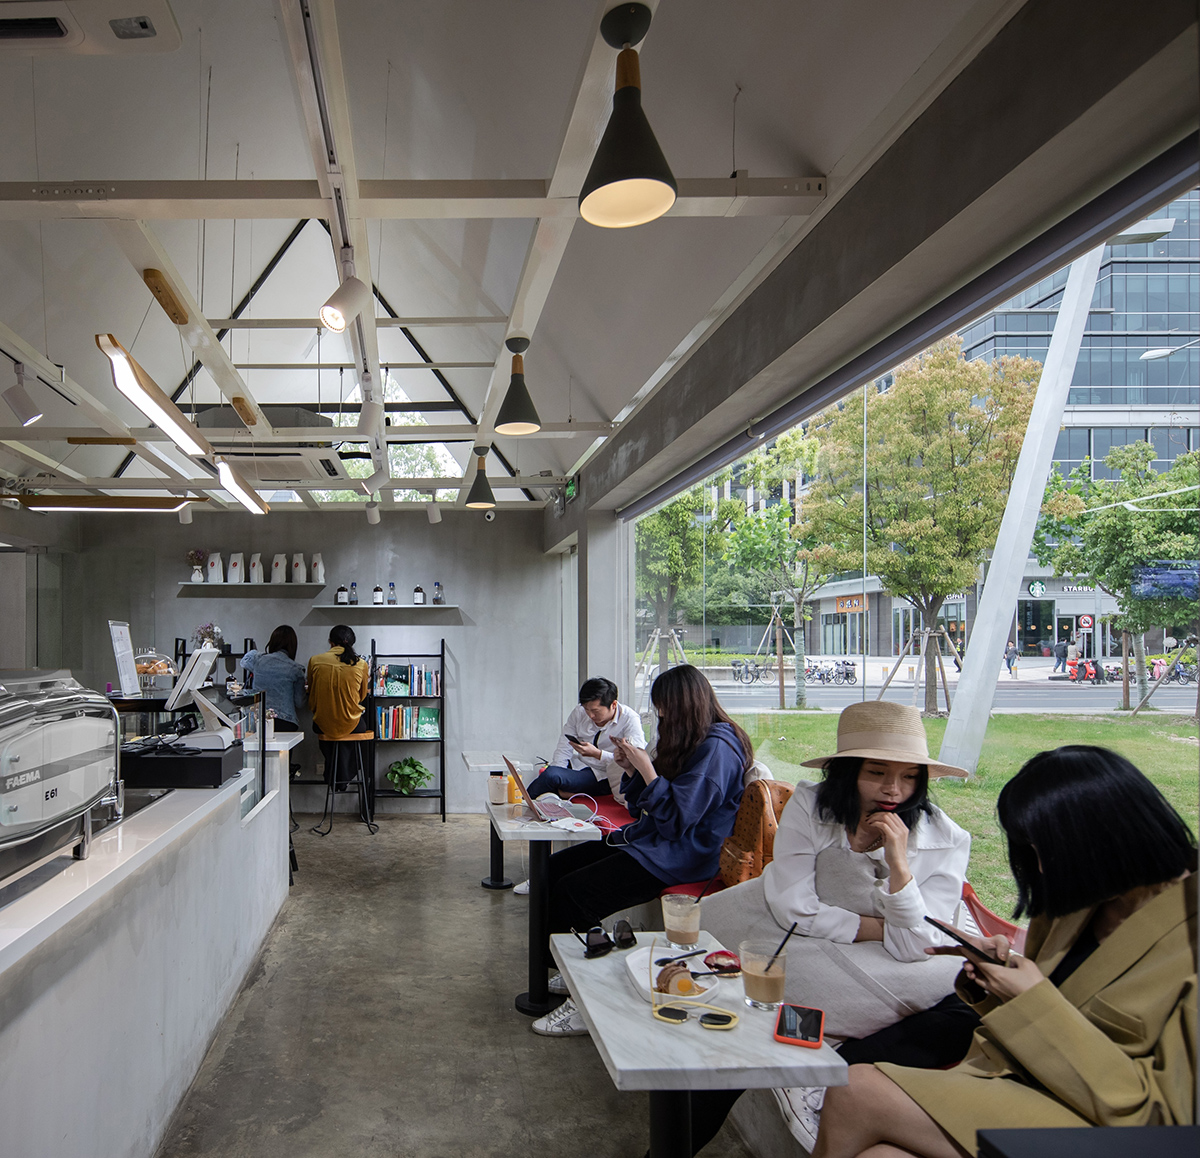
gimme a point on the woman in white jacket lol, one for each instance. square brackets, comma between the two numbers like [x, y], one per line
[860, 859]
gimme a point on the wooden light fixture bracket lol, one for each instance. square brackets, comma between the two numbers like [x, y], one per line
[158, 285]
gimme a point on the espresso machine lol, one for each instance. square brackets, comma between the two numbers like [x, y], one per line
[59, 761]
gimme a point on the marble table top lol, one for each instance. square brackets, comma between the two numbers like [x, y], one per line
[477, 761]
[642, 1053]
[516, 822]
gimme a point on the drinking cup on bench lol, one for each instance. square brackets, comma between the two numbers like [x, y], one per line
[681, 920]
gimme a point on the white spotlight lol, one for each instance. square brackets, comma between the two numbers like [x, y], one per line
[344, 305]
[370, 415]
[185, 515]
[372, 513]
[19, 401]
[433, 511]
[372, 484]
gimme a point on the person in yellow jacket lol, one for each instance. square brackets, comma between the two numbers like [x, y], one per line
[1096, 1025]
[338, 683]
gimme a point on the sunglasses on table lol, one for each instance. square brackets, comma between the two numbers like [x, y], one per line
[596, 942]
[677, 1012]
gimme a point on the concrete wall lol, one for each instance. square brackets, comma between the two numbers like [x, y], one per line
[504, 654]
[12, 609]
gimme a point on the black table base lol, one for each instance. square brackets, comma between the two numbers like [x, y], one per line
[496, 878]
[670, 1124]
[539, 1000]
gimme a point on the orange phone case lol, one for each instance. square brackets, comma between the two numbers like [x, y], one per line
[800, 1041]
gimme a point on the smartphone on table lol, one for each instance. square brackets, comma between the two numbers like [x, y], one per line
[957, 935]
[800, 1025]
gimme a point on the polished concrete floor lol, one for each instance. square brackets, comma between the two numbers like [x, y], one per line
[380, 1021]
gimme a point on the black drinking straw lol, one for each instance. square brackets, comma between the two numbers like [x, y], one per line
[787, 937]
[706, 888]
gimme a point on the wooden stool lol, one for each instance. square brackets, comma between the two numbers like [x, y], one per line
[358, 784]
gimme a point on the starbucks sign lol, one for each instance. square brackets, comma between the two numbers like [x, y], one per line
[1037, 589]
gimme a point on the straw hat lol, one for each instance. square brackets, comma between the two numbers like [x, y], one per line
[878, 730]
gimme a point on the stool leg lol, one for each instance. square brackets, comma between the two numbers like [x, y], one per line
[363, 804]
[331, 780]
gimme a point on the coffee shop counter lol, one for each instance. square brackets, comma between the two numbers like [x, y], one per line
[115, 971]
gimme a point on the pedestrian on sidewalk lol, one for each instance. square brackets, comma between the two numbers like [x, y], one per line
[1060, 655]
[1072, 650]
[1010, 658]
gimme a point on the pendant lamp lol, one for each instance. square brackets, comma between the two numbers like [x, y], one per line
[630, 181]
[480, 497]
[518, 415]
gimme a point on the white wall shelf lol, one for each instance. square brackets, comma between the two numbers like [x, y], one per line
[251, 590]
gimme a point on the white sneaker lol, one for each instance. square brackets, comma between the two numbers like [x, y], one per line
[565, 1021]
[801, 1107]
[557, 984]
[521, 890]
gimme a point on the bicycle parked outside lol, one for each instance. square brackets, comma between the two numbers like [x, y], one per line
[752, 672]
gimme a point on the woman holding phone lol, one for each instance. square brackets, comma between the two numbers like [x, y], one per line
[1094, 1027]
[685, 797]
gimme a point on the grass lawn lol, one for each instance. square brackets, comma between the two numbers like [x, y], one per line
[1166, 748]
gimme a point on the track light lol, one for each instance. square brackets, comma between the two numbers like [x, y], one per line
[185, 515]
[372, 484]
[480, 497]
[518, 415]
[373, 513]
[370, 415]
[432, 509]
[240, 489]
[150, 399]
[107, 504]
[630, 181]
[348, 300]
[19, 401]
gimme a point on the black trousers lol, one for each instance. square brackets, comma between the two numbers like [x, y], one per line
[590, 881]
[935, 1037]
[339, 756]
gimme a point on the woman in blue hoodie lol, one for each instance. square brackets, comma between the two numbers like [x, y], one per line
[685, 798]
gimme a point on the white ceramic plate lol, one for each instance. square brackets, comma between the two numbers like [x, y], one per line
[639, 968]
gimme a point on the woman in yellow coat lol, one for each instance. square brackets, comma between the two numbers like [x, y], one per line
[1096, 1026]
[338, 683]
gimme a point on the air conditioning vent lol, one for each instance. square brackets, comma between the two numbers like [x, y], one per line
[32, 28]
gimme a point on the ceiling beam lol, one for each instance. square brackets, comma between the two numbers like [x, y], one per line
[351, 366]
[738, 196]
[380, 323]
[144, 251]
[67, 480]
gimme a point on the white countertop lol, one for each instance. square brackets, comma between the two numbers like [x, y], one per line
[117, 852]
[477, 761]
[285, 741]
[642, 1053]
[515, 822]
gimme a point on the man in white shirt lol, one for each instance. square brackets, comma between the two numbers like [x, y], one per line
[584, 757]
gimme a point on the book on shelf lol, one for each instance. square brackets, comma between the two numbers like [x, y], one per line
[408, 722]
[399, 680]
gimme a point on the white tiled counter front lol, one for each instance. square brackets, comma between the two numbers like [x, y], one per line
[115, 973]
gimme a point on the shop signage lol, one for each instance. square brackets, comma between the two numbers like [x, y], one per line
[849, 603]
[1085, 622]
[1071, 589]
[1037, 589]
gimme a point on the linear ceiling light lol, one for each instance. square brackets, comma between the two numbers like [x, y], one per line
[630, 181]
[110, 504]
[518, 415]
[480, 497]
[19, 401]
[240, 489]
[150, 399]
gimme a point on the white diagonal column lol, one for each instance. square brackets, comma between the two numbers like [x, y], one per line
[977, 685]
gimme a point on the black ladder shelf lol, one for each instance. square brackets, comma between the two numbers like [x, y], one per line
[376, 701]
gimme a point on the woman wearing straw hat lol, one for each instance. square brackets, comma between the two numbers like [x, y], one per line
[860, 859]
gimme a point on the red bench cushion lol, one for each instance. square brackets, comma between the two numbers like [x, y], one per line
[695, 889]
[607, 807]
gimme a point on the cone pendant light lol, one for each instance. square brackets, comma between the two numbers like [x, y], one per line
[480, 497]
[518, 415]
[630, 181]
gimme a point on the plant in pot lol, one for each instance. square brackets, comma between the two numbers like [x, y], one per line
[408, 775]
[197, 558]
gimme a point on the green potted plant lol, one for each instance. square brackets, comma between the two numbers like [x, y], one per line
[409, 774]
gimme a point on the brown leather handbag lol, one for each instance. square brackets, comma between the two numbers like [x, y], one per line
[750, 847]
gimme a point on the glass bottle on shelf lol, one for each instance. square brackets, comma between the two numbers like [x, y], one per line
[419, 595]
[342, 596]
[439, 596]
[377, 594]
[391, 593]
[354, 594]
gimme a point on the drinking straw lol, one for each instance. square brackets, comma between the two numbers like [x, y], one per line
[707, 887]
[787, 937]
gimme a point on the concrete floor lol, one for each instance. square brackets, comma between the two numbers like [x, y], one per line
[380, 1021]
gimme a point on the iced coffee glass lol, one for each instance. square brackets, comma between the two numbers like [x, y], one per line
[681, 920]
[763, 985]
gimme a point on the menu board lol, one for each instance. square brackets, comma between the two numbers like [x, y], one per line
[123, 650]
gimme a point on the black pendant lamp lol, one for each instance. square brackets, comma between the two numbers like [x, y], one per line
[518, 415]
[630, 181]
[480, 497]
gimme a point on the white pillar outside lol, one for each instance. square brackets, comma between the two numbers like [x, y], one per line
[977, 685]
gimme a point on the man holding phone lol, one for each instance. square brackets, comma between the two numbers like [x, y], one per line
[584, 757]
